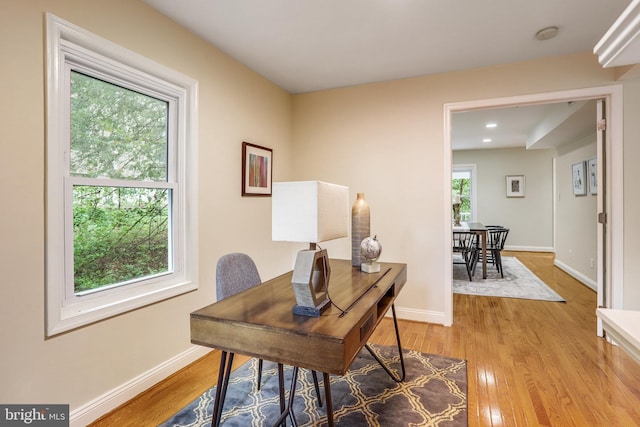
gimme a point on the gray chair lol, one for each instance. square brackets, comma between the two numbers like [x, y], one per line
[236, 272]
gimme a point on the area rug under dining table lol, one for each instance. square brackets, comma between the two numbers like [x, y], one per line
[518, 282]
[434, 393]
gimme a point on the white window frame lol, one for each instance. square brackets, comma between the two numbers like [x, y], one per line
[472, 169]
[71, 47]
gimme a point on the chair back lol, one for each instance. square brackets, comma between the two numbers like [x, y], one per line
[464, 241]
[235, 272]
[496, 237]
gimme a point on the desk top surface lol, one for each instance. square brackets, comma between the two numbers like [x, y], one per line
[269, 305]
[259, 322]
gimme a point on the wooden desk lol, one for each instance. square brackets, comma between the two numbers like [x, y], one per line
[259, 322]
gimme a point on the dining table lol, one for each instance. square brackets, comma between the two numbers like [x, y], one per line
[479, 229]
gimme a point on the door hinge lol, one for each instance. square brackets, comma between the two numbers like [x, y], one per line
[602, 217]
[602, 124]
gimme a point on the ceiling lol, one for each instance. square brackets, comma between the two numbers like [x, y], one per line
[310, 45]
[534, 126]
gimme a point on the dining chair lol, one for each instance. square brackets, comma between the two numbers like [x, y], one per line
[496, 238]
[236, 272]
[464, 243]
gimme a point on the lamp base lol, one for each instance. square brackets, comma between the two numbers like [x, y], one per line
[302, 310]
[370, 267]
[310, 280]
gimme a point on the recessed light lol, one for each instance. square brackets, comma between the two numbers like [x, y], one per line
[486, 140]
[491, 125]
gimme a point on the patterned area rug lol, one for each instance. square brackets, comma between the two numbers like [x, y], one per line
[434, 393]
[518, 282]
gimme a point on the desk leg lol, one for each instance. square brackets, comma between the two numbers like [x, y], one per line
[327, 398]
[221, 390]
[281, 389]
[288, 411]
[393, 376]
[315, 384]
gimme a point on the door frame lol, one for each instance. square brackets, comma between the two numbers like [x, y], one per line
[614, 238]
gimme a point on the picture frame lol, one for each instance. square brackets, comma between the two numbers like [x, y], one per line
[592, 173]
[579, 179]
[515, 185]
[257, 165]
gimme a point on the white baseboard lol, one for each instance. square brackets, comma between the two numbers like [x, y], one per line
[528, 248]
[576, 275]
[436, 317]
[96, 408]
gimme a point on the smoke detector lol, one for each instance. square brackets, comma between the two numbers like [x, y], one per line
[547, 33]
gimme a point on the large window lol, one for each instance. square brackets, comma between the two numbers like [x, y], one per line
[463, 183]
[121, 196]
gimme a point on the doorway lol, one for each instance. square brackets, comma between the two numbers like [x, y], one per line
[610, 246]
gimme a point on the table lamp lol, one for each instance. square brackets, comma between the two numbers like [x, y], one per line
[310, 212]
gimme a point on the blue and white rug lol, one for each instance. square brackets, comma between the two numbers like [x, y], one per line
[518, 282]
[434, 393]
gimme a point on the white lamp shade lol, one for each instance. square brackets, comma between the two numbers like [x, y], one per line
[309, 211]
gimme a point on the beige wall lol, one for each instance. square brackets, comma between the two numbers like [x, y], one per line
[529, 218]
[386, 140]
[383, 139]
[576, 227]
[235, 105]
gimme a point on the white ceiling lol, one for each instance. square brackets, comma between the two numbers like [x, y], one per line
[534, 126]
[309, 45]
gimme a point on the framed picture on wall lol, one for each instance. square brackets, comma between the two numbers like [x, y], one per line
[515, 185]
[592, 171]
[257, 163]
[578, 179]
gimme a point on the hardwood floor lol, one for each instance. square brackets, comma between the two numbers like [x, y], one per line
[529, 362]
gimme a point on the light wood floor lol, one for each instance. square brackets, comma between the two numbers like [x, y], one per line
[529, 363]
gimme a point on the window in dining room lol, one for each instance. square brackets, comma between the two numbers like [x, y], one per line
[463, 189]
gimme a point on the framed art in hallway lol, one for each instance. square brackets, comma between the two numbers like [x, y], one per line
[257, 164]
[579, 179]
[515, 185]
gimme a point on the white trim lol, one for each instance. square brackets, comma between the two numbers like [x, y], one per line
[426, 316]
[614, 170]
[554, 203]
[619, 45]
[529, 248]
[448, 226]
[576, 275]
[603, 293]
[110, 400]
